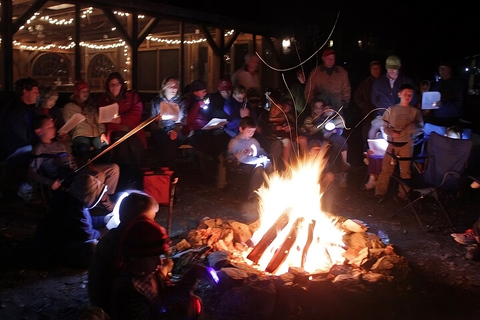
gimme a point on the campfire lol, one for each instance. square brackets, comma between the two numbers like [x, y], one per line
[295, 259]
[294, 231]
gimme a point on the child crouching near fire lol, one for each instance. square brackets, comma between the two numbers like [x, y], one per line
[101, 273]
[249, 156]
[143, 289]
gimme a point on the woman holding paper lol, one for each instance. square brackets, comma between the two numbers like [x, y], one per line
[82, 114]
[166, 133]
[129, 116]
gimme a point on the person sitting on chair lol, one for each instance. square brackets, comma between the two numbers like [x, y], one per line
[251, 158]
[53, 166]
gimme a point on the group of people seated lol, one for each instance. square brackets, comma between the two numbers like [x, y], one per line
[40, 142]
[64, 150]
[211, 123]
[52, 150]
[54, 141]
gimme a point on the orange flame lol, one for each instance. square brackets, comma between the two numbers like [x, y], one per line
[298, 195]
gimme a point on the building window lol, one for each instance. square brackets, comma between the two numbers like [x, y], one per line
[51, 68]
[99, 69]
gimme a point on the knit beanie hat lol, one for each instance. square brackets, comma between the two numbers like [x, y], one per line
[197, 85]
[144, 237]
[88, 189]
[393, 62]
[225, 85]
[79, 85]
[328, 52]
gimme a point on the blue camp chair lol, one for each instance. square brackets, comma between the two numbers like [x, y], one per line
[440, 179]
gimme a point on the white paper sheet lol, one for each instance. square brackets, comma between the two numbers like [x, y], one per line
[71, 123]
[215, 123]
[254, 160]
[107, 113]
[378, 146]
[169, 111]
[430, 100]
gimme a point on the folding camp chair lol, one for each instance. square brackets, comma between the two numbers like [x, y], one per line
[441, 176]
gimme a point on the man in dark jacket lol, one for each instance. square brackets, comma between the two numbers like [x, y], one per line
[385, 92]
[363, 97]
[17, 131]
[450, 105]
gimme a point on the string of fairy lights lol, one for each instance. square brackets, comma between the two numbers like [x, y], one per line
[94, 46]
[84, 14]
[114, 45]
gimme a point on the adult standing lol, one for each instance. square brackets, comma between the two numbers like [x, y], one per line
[249, 74]
[450, 105]
[298, 93]
[167, 133]
[385, 92]
[330, 82]
[363, 97]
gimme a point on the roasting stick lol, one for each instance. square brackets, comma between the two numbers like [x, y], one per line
[116, 143]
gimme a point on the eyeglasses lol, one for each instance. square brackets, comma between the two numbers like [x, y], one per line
[118, 84]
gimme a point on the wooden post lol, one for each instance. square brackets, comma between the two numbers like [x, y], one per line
[78, 49]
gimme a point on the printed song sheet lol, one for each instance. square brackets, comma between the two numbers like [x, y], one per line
[71, 123]
[107, 113]
[215, 123]
[169, 111]
[430, 100]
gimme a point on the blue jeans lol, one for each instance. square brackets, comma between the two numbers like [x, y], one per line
[82, 144]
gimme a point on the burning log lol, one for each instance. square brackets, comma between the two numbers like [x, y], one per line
[268, 238]
[282, 252]
[311, 227]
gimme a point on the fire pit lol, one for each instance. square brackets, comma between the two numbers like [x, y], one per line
[294, 248]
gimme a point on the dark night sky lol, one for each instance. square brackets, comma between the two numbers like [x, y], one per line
[421, 32]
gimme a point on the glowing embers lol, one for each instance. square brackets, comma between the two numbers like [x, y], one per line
[294, 232]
